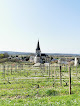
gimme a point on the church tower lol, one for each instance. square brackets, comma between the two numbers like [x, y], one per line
[38, 51]
[37, 58]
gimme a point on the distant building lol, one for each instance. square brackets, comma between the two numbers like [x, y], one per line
[65, 61]
[76, 61]
[54, 60]
[39, 57]
[62, 61]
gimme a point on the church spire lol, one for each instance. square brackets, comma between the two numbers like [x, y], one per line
[38, 46]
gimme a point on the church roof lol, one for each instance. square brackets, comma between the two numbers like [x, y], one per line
[42, 54]
[38, 46]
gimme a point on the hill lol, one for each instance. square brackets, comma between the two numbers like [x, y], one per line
[28, 53]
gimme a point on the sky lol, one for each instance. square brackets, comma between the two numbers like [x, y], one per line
[56, 23]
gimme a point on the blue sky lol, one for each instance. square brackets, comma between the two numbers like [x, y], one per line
[56, 23]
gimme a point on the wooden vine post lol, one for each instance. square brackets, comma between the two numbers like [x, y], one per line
[60, 77]
[54, 74]
[69, 80]
[76, 71]
[49, 69]
[4, 71]
[11, 69]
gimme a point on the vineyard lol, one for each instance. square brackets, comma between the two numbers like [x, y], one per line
[24, 84]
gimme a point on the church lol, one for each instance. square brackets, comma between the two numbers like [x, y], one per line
[39, 57]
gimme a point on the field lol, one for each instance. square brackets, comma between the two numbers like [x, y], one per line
[22, 84]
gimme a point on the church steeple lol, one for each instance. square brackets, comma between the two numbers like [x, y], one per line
[38, 51]
[38, 46]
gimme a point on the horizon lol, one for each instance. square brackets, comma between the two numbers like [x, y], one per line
[55, 23]
[43, 52]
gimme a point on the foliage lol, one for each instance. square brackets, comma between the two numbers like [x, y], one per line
[5, 55]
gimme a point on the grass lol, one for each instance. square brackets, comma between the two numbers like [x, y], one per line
[24, 87]
[72, 100]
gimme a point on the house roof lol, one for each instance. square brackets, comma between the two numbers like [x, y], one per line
[54, 59]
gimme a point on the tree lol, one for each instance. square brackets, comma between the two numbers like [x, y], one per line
[1, 56]
[6, 55]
